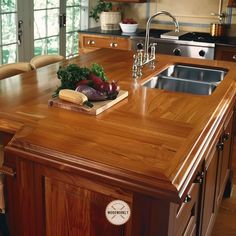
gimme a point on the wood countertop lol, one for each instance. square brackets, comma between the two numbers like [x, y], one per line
[151, 142]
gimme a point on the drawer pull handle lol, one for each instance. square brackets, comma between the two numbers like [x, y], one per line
[113, 45]
[225, 136]
[234, 57]
[7, 171]
[188, 198]
[91, 42]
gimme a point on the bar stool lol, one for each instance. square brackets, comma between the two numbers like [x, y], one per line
[44, 60]
[11, 69]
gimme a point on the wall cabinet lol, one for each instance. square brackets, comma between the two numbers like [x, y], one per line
[90, 42]
[225, 53]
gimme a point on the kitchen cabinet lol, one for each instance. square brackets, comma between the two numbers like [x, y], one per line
[63, 203]
[225, 149]
[216, 176]
[184, 218]
[225, 53]
[58, 203]
[91, 42]
[209, 193]
[55, 199]
[73, 205]
[231, 3]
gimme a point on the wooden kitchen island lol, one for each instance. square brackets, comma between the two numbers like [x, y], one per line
[167, 154]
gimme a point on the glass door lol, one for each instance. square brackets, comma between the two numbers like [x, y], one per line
[46, 27]
[74, 21]
[55, 26]
[35, 27]
[8, 28]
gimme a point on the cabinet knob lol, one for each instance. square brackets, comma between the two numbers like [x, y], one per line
[188, 198]
[91, 42]
[220, 146]
[113, 45]
[234, 57]
[199, 178]
[225, 136]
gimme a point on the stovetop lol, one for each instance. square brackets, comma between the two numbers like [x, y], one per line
[189, 36]
[199, 37]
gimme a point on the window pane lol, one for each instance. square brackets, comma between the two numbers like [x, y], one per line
[40, 4]
[73, 18]
[53, 45]
[52, 22]
[39, 47]
[71, 44]
[39, 24]
[73, 3]
[70, 2]
[9, 53]
[8, 28]
[77, 2]
[53, 3]
[8, 6]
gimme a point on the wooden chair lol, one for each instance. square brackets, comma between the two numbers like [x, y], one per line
[44, 60]
[14, 69]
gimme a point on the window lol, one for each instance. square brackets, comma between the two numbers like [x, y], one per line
[54, 30]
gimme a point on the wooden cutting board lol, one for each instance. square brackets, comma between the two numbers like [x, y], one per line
[97, 108]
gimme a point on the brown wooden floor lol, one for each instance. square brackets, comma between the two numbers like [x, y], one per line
[225, 224]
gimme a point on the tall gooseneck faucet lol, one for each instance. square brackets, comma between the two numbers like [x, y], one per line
[143, 56]
[148, 27]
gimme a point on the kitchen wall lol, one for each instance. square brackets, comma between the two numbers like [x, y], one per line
[192, 15]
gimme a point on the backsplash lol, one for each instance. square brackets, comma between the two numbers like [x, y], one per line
[194, 16]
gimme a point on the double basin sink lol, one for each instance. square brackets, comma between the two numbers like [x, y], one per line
[187, 79]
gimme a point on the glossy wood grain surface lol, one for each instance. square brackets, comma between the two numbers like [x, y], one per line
[150, 141]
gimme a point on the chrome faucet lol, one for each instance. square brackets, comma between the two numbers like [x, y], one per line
[143, 57]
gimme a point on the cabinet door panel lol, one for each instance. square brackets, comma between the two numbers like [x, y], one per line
[226, 153]
[210, 191]
[226, 53]
[70, 205]
[75, 211]
[20, 196]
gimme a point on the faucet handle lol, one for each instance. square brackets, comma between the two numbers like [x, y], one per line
[140, 57]
[153, 49]
[135, 67]
[153, 44]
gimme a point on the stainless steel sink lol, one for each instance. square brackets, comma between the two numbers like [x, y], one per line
[180, 85]
[210, 75]
[187, 79]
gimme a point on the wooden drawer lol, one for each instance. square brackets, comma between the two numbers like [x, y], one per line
[97, 41]
[184, 217]
[226, 53]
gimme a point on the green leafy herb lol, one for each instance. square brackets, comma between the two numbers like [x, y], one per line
[72, 74]
[98, 71]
